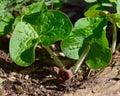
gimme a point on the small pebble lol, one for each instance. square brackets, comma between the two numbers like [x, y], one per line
[27, 77]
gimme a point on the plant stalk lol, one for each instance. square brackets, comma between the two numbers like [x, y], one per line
[81, 59]
[118, 47]
[114, 38]
[56, 59]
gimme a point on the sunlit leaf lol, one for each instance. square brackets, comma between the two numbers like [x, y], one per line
[88, 31]
[22, 44]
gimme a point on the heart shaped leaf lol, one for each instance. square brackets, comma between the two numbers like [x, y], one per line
[51, 26]
[88, 31]
[22, 44]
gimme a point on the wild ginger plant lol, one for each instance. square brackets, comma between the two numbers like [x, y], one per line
[85, 41]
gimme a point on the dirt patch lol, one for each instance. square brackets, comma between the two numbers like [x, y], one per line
[106, 82]
[41, 78]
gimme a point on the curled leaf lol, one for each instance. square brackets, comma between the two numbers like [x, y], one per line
[22, 44]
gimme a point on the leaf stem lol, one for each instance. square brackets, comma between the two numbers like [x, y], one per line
[114, 39]
[118, 47]
[81, 59]
[56, 59]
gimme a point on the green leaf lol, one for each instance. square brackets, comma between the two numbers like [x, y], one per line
[95, 11]
[6, 19]
[55, 26]
[34, 8]
[98, 56]
[71, 45]
[90, 1]
[51, 26]
[17, 20]
[96, 7]
[84, 30]
[118, 7]
[118, 20]
[106, 3]
[5, 25]
[45, 27]
[118, 13]
[22, 44]
[19, 1]
[49, 2]
[88, 31]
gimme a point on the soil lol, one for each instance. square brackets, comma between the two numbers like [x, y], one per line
[41, 78]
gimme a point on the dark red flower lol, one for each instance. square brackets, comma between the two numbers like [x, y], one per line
[65, 75]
